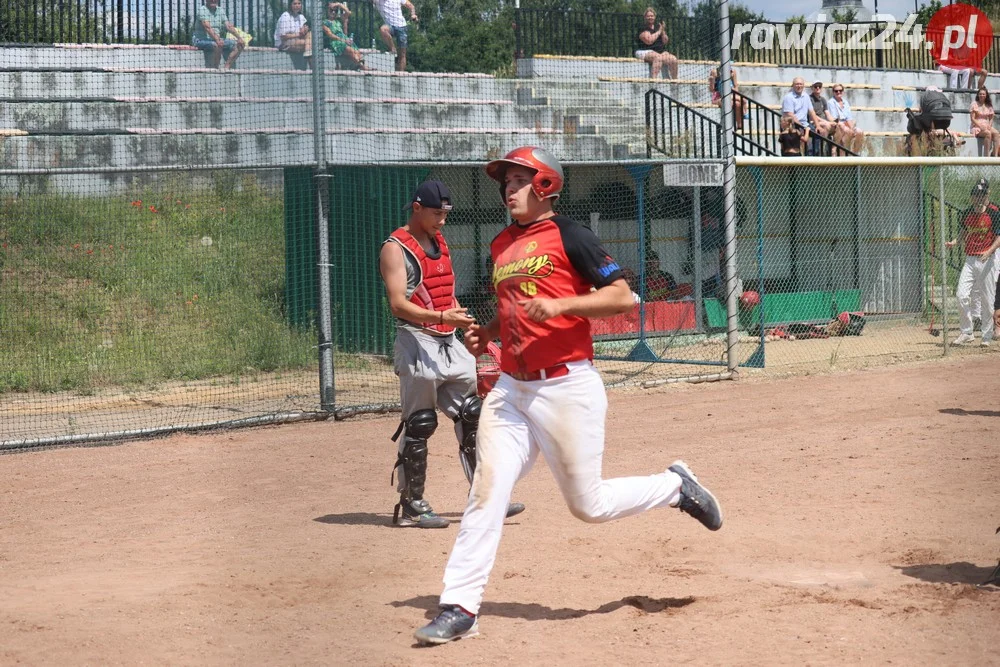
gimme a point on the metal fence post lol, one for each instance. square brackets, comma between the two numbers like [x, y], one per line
[729, 188]
[518, 53]
[944, 261]
[321, 180]
[642, 351]
[696, 268]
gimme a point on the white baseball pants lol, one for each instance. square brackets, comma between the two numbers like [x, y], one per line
[563, 418]
[977, 280]
[958, 77]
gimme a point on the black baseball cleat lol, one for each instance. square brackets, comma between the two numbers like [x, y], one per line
[514, 509]
[451, 624]
[696, 500]
[417, 513]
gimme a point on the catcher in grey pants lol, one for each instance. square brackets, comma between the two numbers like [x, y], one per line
[435, 371]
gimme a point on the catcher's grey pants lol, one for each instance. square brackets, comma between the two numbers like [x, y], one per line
[434, 371]
[563, 418]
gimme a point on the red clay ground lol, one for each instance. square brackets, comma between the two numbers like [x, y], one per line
[860, 510]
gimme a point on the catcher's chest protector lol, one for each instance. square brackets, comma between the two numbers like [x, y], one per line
[436, 283]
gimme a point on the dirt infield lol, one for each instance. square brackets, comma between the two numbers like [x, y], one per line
[860, 512]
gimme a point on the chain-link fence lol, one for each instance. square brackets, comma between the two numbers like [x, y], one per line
[143, 302]
[185, 246]
[845, 265]
[146, 301]
[140, 303]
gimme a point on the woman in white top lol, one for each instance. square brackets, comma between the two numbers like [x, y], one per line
[846, 132]
[292, 32]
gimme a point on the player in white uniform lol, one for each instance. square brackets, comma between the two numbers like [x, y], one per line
[976, 289]
[549, 399]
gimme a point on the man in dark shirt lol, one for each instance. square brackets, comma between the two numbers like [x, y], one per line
[817, 113]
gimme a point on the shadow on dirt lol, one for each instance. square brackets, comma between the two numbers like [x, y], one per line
[969, 413]
[949, 573]
[539, 612]
[357, 519]
[381, 519]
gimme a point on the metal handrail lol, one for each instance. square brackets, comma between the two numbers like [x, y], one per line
[167, 22]
[614, 34]
[677, 130]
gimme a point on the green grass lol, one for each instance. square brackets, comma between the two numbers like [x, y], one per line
[98, 292]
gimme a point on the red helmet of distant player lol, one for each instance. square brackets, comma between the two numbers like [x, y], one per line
[749, 299]
[548, 179]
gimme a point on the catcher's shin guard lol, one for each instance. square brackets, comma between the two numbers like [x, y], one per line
[411, 463]
[468, 425]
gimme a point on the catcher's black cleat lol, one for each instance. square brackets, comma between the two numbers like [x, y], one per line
[696, 500]
[514, 509]
[417, 513]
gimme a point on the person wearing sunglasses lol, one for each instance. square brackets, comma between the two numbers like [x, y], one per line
[838, 111]
[335, 37]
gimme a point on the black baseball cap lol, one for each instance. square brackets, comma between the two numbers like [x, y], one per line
[432, 194]
[981, 187]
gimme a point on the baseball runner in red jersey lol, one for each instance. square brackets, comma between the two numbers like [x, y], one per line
[434, 370]
[977, 282]
[551, 275]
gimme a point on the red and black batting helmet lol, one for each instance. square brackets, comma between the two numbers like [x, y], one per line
[548, 179]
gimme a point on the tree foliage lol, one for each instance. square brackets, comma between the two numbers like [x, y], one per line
[48, 21]
[844, 15]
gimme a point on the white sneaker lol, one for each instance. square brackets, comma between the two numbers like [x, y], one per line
[963, 339]
[986, 342]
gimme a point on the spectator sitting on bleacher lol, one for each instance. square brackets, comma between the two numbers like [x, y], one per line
[958, 70]
[715, 87]
[846, 132]
[291, 35]
[792, 138]
[393, 31]
[210, 29]
[335, 36]
[795, 104]
[981, 121]
[653, 46]
[817, 111]
[660, 285]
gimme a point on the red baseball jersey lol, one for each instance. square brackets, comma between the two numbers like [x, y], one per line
[552, 258]
[980, 229]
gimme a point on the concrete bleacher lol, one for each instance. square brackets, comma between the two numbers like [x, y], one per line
[127, 106]
[879, 98]
[127, 56]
